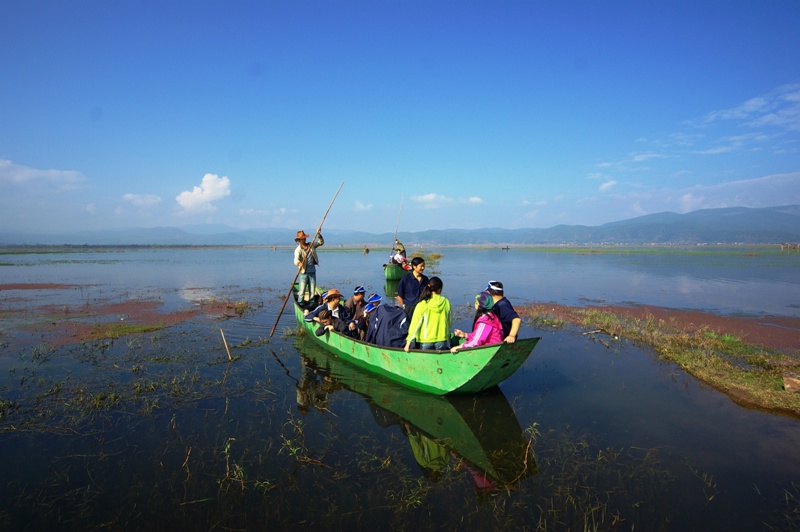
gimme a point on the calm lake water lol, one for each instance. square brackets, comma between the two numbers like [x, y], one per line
[160, 431]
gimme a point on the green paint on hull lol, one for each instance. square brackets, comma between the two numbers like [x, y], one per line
[437, 372]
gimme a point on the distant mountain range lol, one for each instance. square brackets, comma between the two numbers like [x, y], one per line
[736, 225]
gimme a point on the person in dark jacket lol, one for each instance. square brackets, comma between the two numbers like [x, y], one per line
[410, 286]
[388, 326]
[363, 321]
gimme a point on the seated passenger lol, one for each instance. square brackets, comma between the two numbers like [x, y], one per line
[362, 323]
[355, 305]
[388, 326]
[336, 312]
[486, 326]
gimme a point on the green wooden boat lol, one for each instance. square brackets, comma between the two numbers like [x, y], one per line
[481, 429]
[470, 370]
[393, 271]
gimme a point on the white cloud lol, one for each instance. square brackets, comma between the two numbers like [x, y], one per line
[627, 164]
[475, 200]
[740, 112]
[715, 151]
[431, 200]
[779, 108]
[17, 174]
[91, 208]
[359, 207]
[641, 157]
[636, 209]
[269, 217]
[767, 191]
[608, 185]
[690, 202]
[142, 200]
[200, 199]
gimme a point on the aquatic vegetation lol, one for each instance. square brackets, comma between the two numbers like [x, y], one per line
[118, 330]
[751, 375]
[587, 487]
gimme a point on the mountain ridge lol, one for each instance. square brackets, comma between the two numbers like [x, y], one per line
[731, 225]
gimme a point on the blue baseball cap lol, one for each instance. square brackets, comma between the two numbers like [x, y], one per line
[359, 290]
[374, 298]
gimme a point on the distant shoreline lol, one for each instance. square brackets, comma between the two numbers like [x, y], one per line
[566, 248]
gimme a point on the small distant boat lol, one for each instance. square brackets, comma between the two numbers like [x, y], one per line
[470, 370]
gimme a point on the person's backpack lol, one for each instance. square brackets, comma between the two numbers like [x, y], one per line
[388, 327]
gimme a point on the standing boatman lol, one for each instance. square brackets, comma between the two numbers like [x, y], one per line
[306, 260]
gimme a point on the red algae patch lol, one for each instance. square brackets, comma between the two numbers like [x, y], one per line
[138, 315]
[59, 325]
[36, 286]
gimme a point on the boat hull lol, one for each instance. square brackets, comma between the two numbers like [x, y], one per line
[438, 372]
[394, 272]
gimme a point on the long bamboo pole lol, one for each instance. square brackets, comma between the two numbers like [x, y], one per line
[300, 268]
[396, 227]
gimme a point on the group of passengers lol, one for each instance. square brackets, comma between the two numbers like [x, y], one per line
[422, 319]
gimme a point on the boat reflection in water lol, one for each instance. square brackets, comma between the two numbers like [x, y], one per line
[390, 287]
[480, 431]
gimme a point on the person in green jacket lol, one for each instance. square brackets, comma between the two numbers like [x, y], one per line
[430, 324]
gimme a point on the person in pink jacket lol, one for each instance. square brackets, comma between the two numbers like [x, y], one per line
[486, 328]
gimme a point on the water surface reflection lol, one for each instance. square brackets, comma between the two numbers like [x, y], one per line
[480, 431]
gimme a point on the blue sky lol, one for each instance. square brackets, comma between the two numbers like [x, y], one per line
[473, 114]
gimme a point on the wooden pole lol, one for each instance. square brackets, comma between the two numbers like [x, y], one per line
[226, 345]
[300, 268]
[396, 227]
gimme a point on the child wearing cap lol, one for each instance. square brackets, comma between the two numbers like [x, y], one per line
[486, 327]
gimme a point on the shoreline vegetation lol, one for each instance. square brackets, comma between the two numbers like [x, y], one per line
[752, 361]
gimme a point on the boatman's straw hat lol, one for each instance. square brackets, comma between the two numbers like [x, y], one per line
[330, 294]
[301, 236]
